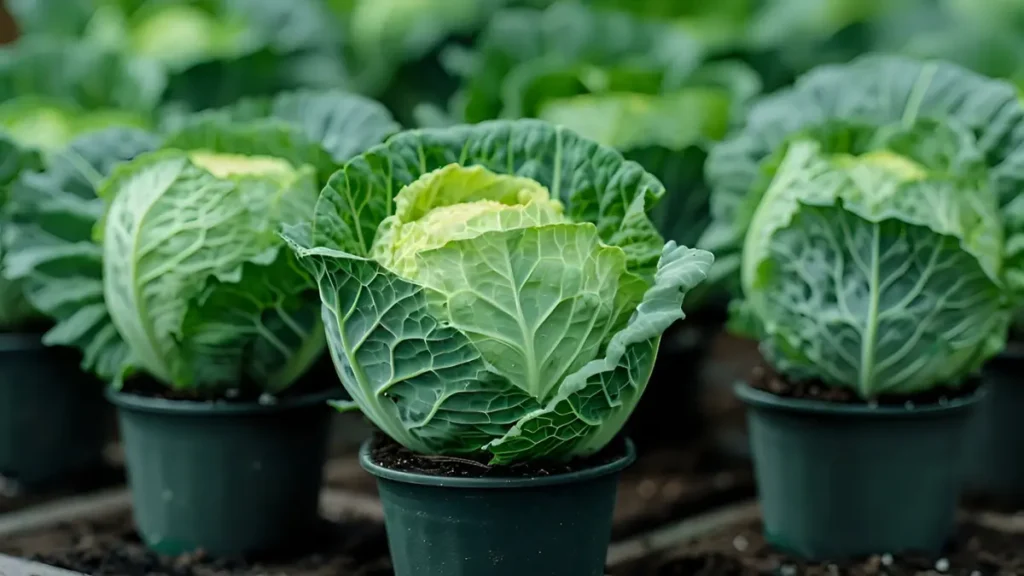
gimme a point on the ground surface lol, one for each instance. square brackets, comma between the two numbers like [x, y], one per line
[740, 550]
[110, 547]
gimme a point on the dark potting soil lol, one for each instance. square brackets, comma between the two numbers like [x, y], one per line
[110, 547]
[387, 453]
[741, 551]
[766, 379]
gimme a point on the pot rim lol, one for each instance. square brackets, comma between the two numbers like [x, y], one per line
[606, 469]
[137, 403]
[765, 400]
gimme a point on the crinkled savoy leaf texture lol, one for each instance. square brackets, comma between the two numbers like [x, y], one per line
[196, 277]
[874, 275]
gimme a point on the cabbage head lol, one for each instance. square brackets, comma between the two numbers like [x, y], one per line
[496, 287]
[194, 274]
[874, 260]
[161, 255]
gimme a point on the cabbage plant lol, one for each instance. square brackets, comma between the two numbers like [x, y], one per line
[877, 224]
[162, 255]
[495, 289]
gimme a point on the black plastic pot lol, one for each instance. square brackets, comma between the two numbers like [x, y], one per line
[837, 481]
[227, 478]
[546, 526]
[996, 470]
[52, 416]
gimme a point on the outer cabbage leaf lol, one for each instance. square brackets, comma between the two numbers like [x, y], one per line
[13, 160]
[874, 91]
[195, 277]
[14, 310]
[873, 272]
[429, 354]
[51, 215]
[340, 123]
[268, 138]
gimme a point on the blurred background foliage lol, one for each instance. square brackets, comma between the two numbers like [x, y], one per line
[661, 80]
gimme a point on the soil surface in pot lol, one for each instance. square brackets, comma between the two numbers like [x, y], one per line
[110, 547]
[740, 550]
[765, 378]
[390, 454]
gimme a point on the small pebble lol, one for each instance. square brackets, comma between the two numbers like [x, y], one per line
[942, 565]
[787, 570]
[833, 569]
[267, 399]
[887, 559]
[740, 543]
[232, 392]
[976, 573]
[909, 405]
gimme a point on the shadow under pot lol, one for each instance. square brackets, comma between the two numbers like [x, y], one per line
[996, 466]
[557, 525]
[838, 481]
[52, 415]
[230, 478]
